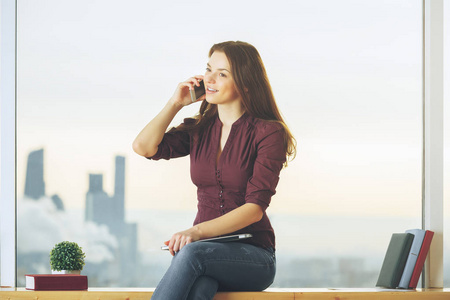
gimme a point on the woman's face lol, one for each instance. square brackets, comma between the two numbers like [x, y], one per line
[219, 82]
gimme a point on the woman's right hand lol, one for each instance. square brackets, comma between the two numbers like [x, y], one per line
[182, 96]
[182, 238]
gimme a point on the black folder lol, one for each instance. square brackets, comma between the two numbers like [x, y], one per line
[395, 260]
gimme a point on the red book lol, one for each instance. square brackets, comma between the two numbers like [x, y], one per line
[56, 282]
[421, 259]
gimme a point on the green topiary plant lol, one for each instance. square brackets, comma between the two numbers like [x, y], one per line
[67, 256]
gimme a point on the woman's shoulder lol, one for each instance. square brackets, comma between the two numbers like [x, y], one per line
[189, 121]
[265, 127]
[185, 127]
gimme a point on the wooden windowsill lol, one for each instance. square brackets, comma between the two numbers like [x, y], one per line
[269, 294]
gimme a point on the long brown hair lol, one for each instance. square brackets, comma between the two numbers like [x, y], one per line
[252, 83]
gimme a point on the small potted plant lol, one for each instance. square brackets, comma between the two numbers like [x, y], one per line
[67, 258]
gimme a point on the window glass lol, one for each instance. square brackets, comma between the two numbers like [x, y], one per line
[91, 75]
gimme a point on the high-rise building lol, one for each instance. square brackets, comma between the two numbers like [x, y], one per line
[104, 209]
[98, 202]
[110, 211]
[34, 180]
[119, 188]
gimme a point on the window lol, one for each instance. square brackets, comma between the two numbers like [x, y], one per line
[347, 77]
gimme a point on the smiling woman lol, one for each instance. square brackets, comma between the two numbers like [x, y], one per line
[246, 153]
[219, 79]
[346, 75]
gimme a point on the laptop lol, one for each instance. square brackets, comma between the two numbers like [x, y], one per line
[222, 239]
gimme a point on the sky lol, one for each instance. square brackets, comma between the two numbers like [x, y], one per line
[346, 76]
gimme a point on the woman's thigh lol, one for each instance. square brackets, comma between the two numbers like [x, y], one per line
[236, 266]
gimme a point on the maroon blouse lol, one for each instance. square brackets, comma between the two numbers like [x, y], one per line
[247, 172]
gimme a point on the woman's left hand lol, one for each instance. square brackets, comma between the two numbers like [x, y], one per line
[181, 239]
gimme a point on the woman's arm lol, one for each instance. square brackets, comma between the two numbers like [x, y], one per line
[147, 141]
[232, 221]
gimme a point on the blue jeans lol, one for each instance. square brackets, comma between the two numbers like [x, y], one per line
[199, 270]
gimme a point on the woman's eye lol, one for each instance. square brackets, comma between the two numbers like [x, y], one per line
[222, 75]
[208, 70]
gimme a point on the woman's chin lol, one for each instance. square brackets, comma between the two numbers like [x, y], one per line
[210, 100]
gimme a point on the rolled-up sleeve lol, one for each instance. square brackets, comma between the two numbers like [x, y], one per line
[174, 144]
[269, 161]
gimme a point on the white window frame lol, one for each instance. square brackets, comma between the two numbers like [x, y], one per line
[8, 142]
[433, 140]
[432, 164]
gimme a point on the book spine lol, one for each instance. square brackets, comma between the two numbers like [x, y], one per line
[412, 257]
[62, 282]
[421, 259]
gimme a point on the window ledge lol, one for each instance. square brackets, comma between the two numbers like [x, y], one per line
[269, 294]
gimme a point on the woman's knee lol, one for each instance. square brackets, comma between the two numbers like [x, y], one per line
[196, 249]
[192, 254]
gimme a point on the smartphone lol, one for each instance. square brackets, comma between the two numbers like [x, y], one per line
[198, 91]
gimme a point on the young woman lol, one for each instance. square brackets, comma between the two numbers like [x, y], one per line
[238, 144]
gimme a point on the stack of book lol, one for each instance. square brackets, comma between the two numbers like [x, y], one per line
[56, 282]
[404, 259]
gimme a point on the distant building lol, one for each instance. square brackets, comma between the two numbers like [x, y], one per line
[58, 202]
[97, 201]
[119, 188]
[110, 211]
[34, 180]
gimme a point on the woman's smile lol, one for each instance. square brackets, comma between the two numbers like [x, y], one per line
[210, 90]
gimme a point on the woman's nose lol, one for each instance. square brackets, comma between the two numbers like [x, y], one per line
[209, 78]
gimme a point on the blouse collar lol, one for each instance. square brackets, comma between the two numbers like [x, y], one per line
[239, 121]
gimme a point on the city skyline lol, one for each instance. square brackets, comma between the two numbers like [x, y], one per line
[100, 209]
[106, 210]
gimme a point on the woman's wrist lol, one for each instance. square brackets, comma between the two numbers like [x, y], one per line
[175, 105]
[198, 231]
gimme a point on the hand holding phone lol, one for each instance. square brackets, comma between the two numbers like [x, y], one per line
[198, 91]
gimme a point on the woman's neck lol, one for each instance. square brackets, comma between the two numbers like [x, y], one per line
[229, 114]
